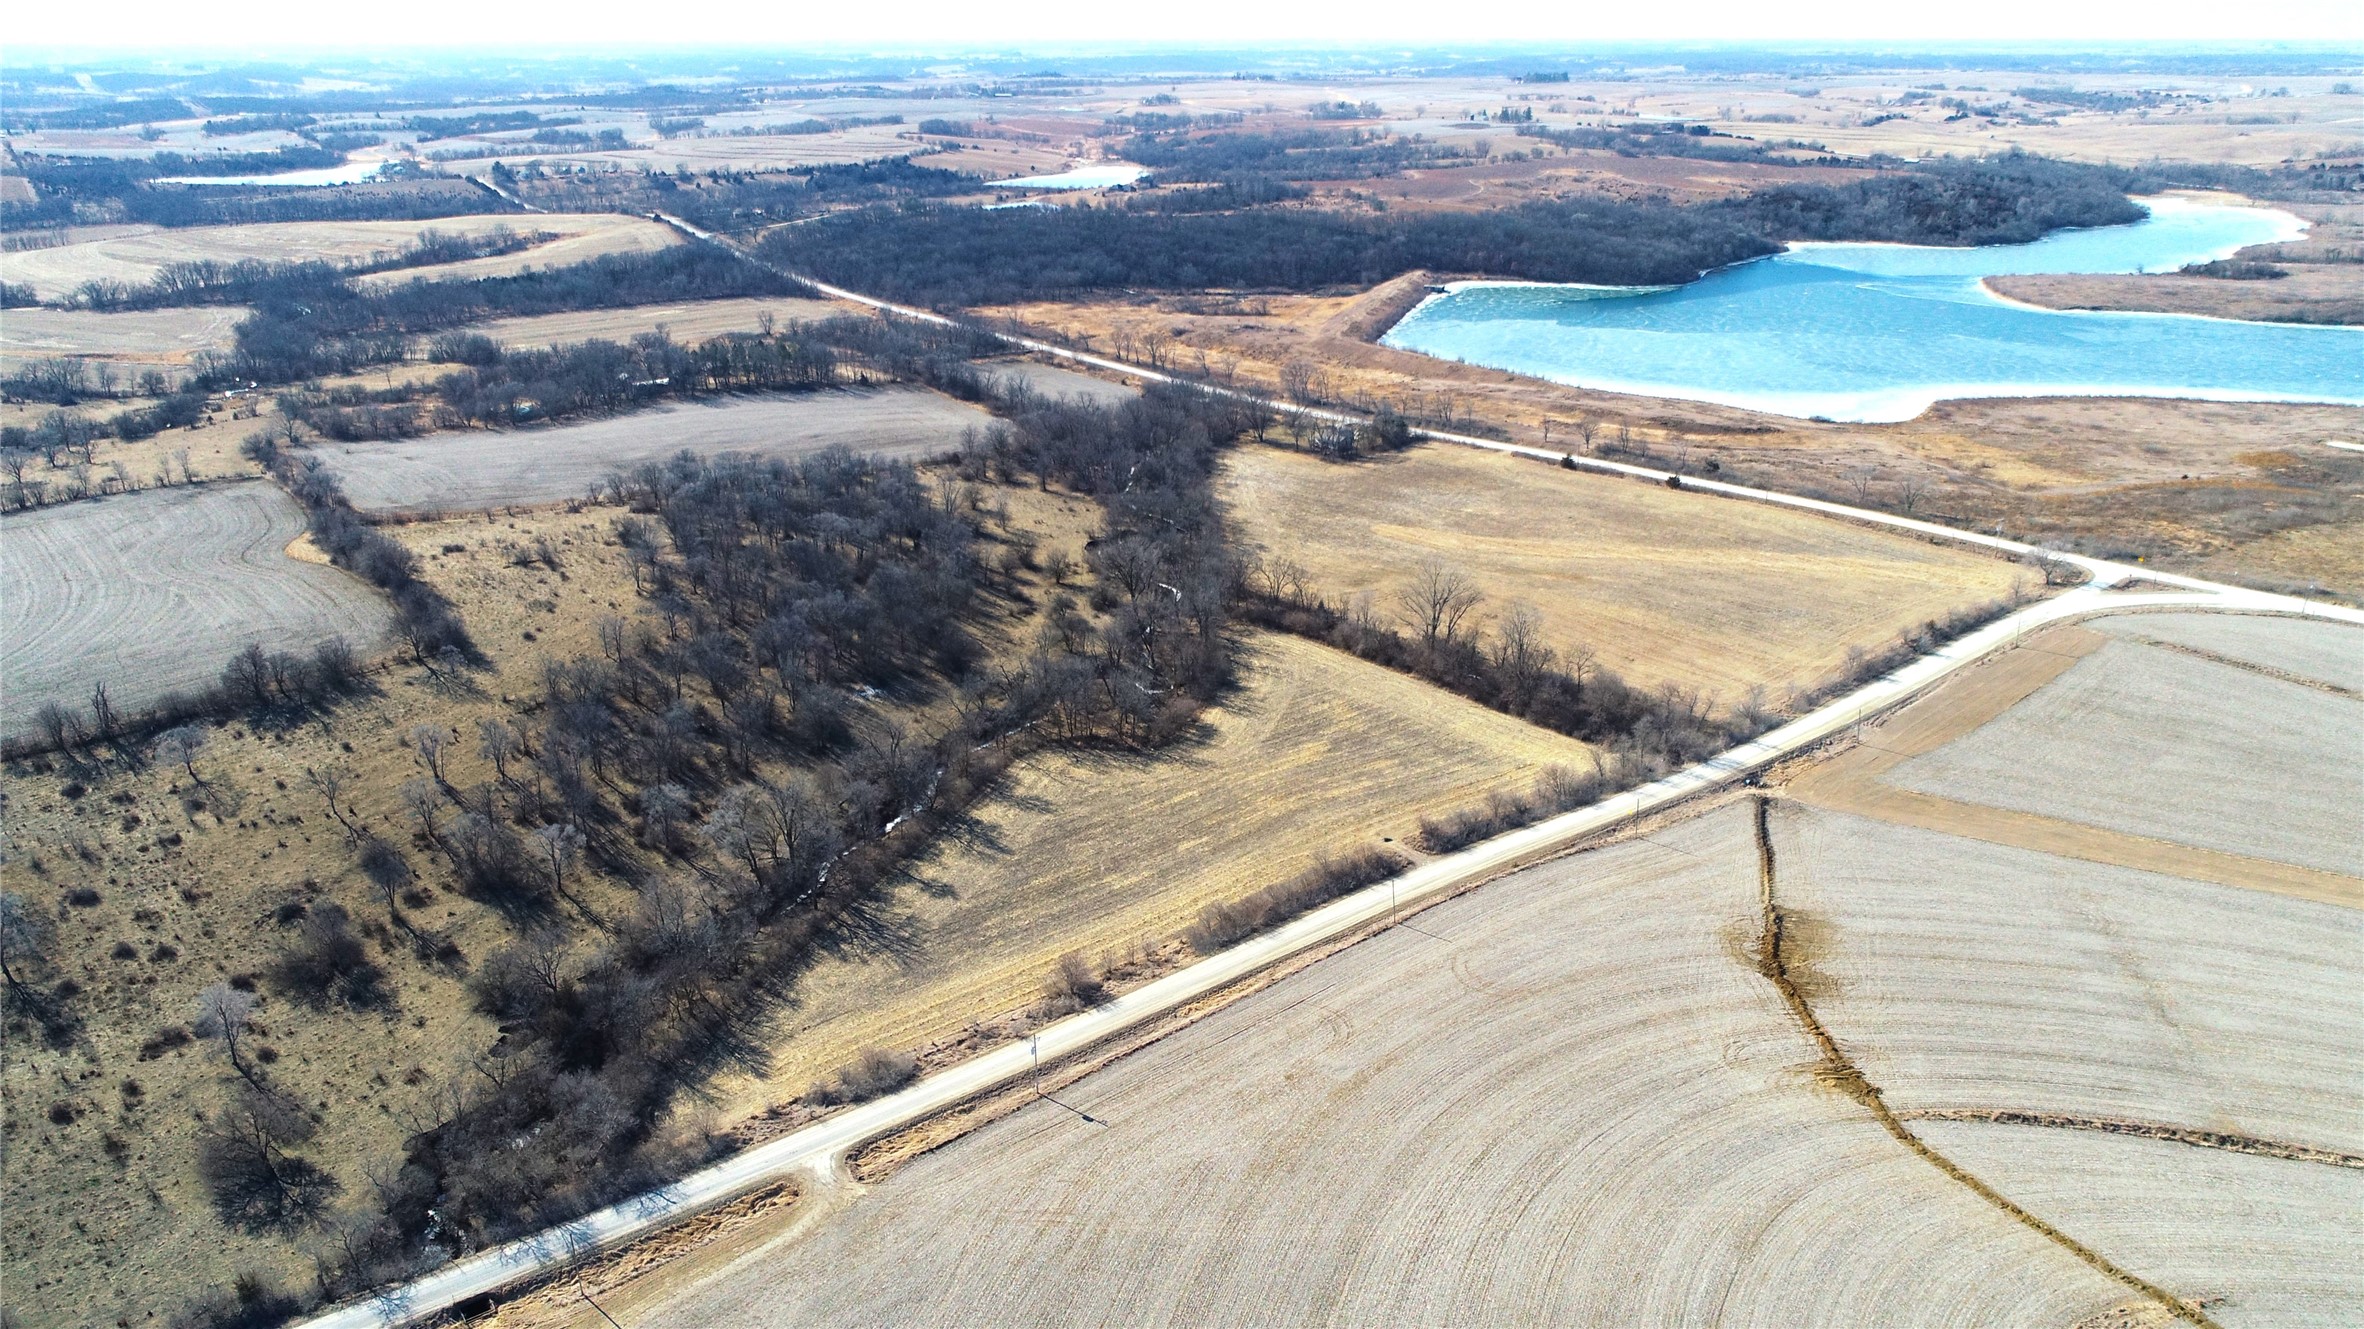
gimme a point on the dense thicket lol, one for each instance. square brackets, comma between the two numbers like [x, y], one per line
[970, 256]
[1226, 238]
[1995, 200]
[735, 200]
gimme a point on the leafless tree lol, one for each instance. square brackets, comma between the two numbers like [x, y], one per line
[426, 805]
[104, 718]
[432, 742]
[498, 744]
[1438, 600]
[1519, 651]
[179, 746]
[561, 848]
[223, 1015]
[1909, 492]
[1859, 482]
[1296, 380]
[1585, 429]
[329, 782]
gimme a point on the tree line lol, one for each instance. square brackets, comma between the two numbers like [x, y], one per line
[327, 326]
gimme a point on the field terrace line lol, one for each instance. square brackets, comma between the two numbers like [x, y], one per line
[816, 1150]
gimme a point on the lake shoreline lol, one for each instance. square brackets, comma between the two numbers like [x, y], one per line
[1877, 333]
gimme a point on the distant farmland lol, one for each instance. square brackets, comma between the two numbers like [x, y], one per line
[134, 255]
[154, 591]
[460, 471]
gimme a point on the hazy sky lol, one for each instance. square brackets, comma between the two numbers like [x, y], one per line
[277, 26]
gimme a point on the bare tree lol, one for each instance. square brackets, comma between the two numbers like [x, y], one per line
[498, 744]
[432, 742]
[1520, 653]
[562, 848]
[1296, 380]
[1859, 482]
[179, 746]
[223, 1015]
[426, 804]
[1585, 429]
[1909, 492]
[104, 719]
[329, 782]
[1437, 601]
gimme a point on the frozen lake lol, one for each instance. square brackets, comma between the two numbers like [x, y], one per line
[1878, 332]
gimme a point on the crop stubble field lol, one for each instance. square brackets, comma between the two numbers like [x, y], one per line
[153, 591]
[471, 469]
[167, 339]
[1570, 1097]
[1667, 587]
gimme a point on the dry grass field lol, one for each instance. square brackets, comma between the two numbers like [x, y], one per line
[133, 254]
[105, 1215]
[460, 471]
[1666, 587]
[162, 339]
[1316, 753]
[688, 321]
[1565, 1099]
[2242, 492]
[154, 591]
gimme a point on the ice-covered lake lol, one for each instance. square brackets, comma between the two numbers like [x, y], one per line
[1878, 332]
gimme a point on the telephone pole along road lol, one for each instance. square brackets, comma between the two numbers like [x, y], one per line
[817, 1147]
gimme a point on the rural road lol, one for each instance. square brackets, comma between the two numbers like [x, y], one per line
[818, 1147]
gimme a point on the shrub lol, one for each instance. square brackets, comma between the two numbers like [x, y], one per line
[874, 1073]
[1221, 924]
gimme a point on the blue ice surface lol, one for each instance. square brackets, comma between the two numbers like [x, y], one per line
[1878, 332]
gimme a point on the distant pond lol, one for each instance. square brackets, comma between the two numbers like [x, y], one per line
[1878, 332]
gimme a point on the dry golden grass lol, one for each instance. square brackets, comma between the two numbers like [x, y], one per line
[1316, 753]
[1667, 587]
[87, 1236]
